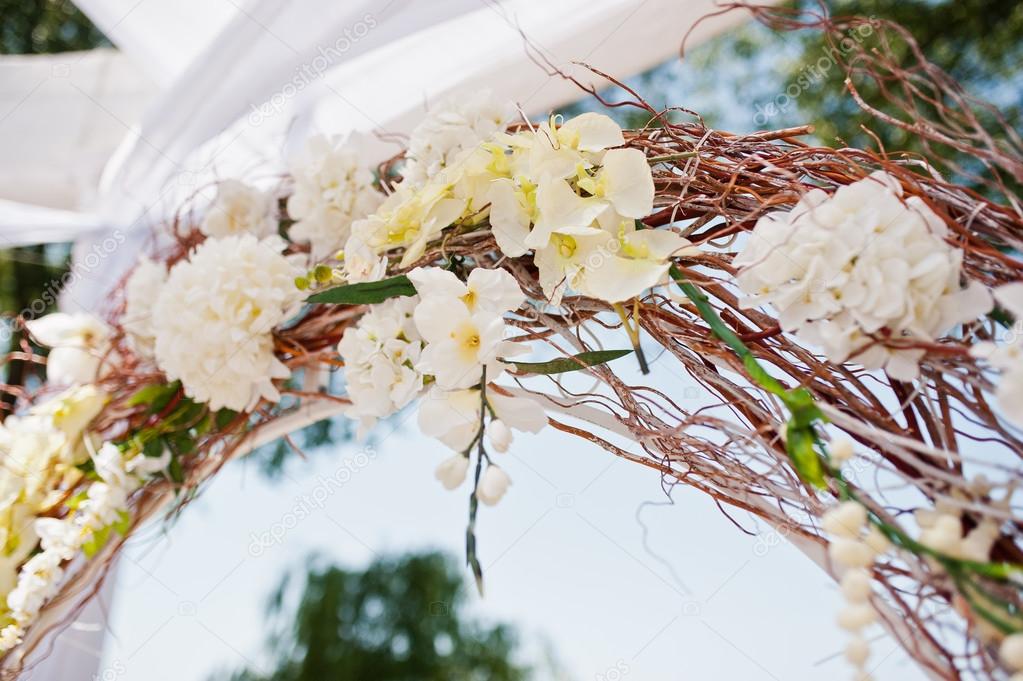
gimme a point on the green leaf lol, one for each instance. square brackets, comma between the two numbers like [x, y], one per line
[800, 445]
[224, 417]
[156, 395]
[123, 523]
[366, 292]
[177, 474]
[92, 546]
[574, 363]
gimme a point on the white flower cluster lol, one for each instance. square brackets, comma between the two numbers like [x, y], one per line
[454, 124]
[562, 191]
[446, 335]
[141, 291]
[332, 189]
[213, 319]
[40, 451]
[240, 208]
[853, 548]
[380, 354]
[79, 343]
[1008, 357]
[859, 266]
[104, 506]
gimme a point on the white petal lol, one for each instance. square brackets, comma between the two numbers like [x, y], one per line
[521, 413]
[435, 281]
[592, 132]
[509, 221]
[560, 209]
[436, 317]
[1010, 297]
[617, 279]
[628, 183]
[495, 289]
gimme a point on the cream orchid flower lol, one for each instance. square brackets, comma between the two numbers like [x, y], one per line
[77, 341]
[625, 181]
[561, 210]
[459, 343]
[557, 152]
[636, 261]
[453, 416]
[485, 290]
[73, 410]
[512, 210]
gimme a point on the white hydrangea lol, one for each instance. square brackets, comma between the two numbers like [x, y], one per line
[333, 188]
[380, 355]
[859, 266]
[451, 126]
[240, 208]
[214, 317]
[1008, 357]
[140, 294]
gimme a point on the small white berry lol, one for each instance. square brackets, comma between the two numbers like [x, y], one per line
[856, 616]
[857, 651]
[856, 585]
[850, 553]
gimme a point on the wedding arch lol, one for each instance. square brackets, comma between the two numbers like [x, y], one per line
[853, 316]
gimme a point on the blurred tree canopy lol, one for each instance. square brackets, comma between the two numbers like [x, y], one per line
[740, 81]
[400, 619]
[45, 27]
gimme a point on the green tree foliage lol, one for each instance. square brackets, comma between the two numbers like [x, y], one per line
[45, 27]
[400, 619]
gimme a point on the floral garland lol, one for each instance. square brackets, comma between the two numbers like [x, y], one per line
[432, 280]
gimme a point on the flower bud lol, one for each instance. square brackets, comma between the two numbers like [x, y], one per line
[493, 485]
[500, 435]
[451, 471]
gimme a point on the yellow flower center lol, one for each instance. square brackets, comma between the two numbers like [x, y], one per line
[566, 245]
[470, 300]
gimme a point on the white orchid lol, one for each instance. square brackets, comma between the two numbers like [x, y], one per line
[78, 343]
[462, 324]
[561, 210]
[459, 343]
[623, 180]
[240, 208]
[453, 416]
[485, 289]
